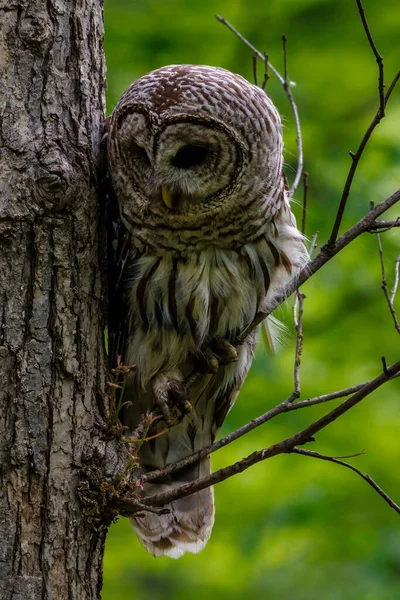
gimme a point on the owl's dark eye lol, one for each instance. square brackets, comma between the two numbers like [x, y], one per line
[140, 153]
[189, 156]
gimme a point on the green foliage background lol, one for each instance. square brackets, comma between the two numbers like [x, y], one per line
[293, 527]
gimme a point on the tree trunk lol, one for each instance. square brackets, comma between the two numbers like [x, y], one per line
[51, 294]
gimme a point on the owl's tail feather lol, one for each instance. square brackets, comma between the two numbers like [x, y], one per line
[188, 525]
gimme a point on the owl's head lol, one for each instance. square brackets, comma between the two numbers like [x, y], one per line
[195, 157]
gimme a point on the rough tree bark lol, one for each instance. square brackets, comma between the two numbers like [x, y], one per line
[51, 294]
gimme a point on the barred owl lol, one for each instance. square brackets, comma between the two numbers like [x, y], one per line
[205, 237]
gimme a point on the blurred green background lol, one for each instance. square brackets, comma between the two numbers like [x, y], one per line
[293, 527]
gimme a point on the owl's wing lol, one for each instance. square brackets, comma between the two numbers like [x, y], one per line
[118, 259]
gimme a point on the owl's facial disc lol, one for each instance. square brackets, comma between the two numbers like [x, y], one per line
[194, 161]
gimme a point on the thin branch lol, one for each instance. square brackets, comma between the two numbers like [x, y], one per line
[383, 226]
[285, 77]
[313, 243]
[383, 100]
[286, 406]
[255, 69]
[391, 87]
[285, 446]
[325, 255]
[299, 341]
[266, 74]
[389, 298]
[137, 507]
[249, 45]
[125, 505]
[378, 57]
[287, 87]
[328, 397]
[299, 142]
[364, 476]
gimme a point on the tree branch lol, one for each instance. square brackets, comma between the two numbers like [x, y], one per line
[124, 505]
[325, 255]
[286, 406]
[383, 226]
[266, 74]
[378, 57]
[364, 476]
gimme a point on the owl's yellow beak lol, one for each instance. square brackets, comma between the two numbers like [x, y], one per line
[167, 197]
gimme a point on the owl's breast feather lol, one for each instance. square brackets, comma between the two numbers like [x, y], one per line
[178, 304]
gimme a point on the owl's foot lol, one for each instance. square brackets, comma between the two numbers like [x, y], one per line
[218, 353]
[171, 399]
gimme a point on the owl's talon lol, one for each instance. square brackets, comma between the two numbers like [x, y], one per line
[219, 353]
[187, 407]
[224, 350]
[210, 361]
[178, 396]
[171, 400]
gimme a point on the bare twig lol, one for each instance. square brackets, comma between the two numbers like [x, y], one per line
[391, 87]
[383, 226]
[366, 477]
[255, 79]
[378, 58]
[313, 243]
[383, 100]
[389, 297]
[287, 87]
[298, 308]
[328, 397]
[285, 446]
[266, 74]
[249, 45]
[137, 506]
[299, 141]
[285, 77]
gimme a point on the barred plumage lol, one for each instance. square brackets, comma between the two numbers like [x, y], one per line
[206, 237]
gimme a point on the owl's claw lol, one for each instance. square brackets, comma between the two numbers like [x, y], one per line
[224, 350]
[171, 400]
[219, 352]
